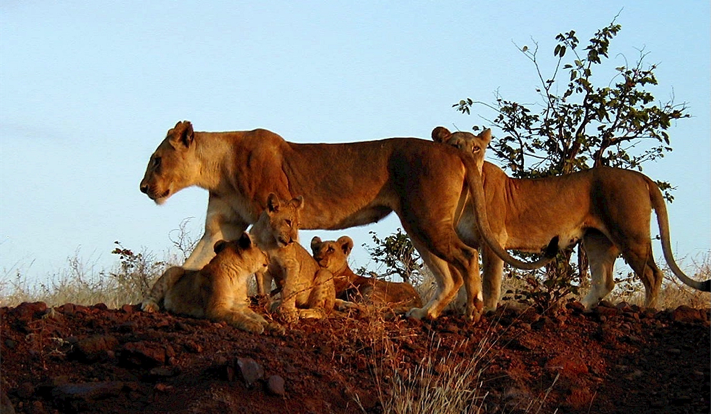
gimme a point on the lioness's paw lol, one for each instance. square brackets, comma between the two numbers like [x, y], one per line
[149, 306]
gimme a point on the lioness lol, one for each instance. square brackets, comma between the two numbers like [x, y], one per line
[218, 291]
[307, 290]
[609, 208]
[333, 255]
[346, 185]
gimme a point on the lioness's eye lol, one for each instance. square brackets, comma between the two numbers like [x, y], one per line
[156, 162]
[330, 249]
[288, 222]
[476, 149]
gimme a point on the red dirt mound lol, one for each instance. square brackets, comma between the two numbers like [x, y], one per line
[615, 359]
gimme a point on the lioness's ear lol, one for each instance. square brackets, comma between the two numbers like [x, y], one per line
[315, 242]
[245, 242]
[220, 246]
[346, 244]
[182, 135]
[298, 202]
[440, 134]
[486, 136]
[272, 203]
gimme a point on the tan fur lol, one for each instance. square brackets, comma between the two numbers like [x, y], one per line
[218, 291]
[608, 208]
[333, 255]
[307, 291]
[346, 185]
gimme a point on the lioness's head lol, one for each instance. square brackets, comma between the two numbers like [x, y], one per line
[332, 255]
[173, 165]
[465, 141]
[280, 220]
[243, 252]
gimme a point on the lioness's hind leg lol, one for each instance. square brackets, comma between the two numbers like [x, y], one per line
[601, 256]
[491, 282]
[447, 284]
[161, 287]
[641, 260]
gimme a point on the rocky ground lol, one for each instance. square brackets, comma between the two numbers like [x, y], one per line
[615, 359]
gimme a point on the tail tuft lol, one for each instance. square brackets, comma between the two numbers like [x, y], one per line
[706, 286]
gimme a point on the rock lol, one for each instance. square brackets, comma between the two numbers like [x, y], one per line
[27, 311]
[249, 371]
[143, 354]
[570, 366]
[686, 314]
[94, 348]
[275, 386]
[5, 404]
[79, 397]
[101, 307]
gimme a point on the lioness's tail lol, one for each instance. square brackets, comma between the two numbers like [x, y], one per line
[476, 190]
[660, 209]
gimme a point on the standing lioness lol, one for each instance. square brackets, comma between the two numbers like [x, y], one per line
[609, 208]
[424, 183]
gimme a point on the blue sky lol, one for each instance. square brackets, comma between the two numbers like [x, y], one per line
[89, 89]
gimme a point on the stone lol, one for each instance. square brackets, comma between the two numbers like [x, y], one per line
[275, 386]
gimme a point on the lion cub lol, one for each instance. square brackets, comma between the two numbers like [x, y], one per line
[307, 291]
[218, 291]
[333, 255]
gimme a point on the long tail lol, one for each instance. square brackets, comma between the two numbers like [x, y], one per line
[476, 190]
[660, 208]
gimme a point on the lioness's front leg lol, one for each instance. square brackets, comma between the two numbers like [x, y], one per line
[221, 223]
[166, 282]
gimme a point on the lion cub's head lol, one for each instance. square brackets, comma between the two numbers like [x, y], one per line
[278, 225]
[465, 141]
[242, 253]
[173, 166]
[332, 255]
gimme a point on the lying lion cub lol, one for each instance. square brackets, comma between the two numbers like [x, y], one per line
[218, 291]
[608, 208]
[307, 291]
[333, 255]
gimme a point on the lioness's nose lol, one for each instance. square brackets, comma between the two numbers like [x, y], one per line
[144, 188]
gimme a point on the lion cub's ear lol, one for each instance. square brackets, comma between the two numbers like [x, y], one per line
[298, 202]
[346, 244]
[220, 246]
[182, 135]
[315, 243]
[245, 242]
[273, 203]
[440, 134]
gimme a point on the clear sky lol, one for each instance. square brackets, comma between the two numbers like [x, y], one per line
[89, 88]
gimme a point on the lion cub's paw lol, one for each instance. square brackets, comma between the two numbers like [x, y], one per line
[251, 326]
[275, 327]
[149, 306]
[288, 315]
[317, 313]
